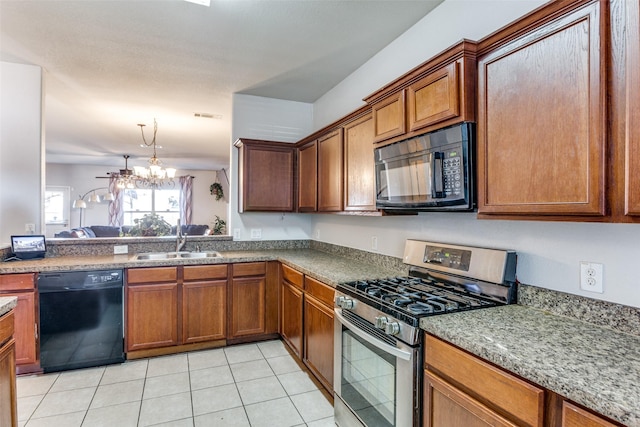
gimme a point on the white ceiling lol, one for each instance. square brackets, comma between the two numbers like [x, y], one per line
[111, 64]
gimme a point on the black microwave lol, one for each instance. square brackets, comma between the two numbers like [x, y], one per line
[430, 172]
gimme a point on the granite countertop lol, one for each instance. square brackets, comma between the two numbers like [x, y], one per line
[591, 365]
[327, 268]
[6, 304]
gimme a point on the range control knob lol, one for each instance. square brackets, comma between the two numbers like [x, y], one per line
[381, 322]
[392, 328]
[344, 302]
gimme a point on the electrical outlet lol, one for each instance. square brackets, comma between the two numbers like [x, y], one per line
[591, 277]
[120, 249]
[30, 228]
[374, 243]
[256, 233]
[236, 234]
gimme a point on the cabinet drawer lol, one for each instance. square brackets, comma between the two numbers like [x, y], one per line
[17, 282]
[155, 275]
[292, 276]
[518, 400]
[319, 290]
[204, 272]
[574, 416]
[249, 269]
[6, 327]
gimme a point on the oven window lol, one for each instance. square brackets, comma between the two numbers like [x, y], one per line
[368, 381]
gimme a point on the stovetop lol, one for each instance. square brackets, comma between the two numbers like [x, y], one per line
[410, 298]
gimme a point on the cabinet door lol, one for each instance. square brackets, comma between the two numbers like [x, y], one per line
[446, 406]
[266, 176]
[152, 316]
[204, 311]
[632, 172]
[389, 117]
[25, 328]
[291, 317]
[573, 416]
[542, 120]
[330, 172]
[434, 98]
[318, 340]
[8, 395]
[308, 178]
[247, 306]
[359, 169]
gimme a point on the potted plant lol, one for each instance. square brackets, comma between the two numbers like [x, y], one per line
[219, 225]
[216, 190]
[150, 225]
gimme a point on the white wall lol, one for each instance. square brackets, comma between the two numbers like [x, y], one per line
[275, 120]
[21, 150]
[82, 178]
[549, 252]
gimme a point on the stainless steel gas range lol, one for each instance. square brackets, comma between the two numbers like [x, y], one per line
[378, 342]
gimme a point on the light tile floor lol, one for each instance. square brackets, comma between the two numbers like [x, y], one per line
[245, 385]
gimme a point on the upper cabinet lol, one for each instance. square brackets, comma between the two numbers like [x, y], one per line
[330, 172]
[266, 175]
[438, 93]
[632, 128]
[359, 167]
[542, 113]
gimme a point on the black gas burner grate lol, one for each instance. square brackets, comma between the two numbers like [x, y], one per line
[417, 296]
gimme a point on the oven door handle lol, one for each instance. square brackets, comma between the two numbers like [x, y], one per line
[404, 355]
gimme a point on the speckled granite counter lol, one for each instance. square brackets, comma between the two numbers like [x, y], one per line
[328, 268]
[591, 365]
[6, 304]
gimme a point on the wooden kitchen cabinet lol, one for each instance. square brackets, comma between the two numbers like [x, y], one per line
[266, 176]
[22, 286]
[447, 406]
[542, 115]
[330, 171]
[204, 303]
[291, 308]
[632, 129]
[359, 167]
[8, 394]
[319, 331]
[247, 300]
[574, 416]
[436, 94]
[389, 117]
[152, 308]
[459, 386]
[308, 177]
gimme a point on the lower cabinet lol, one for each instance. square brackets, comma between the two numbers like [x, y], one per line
[307, 322]
[291, 294]
[462, 390]
[204, 303]
[8, 394]
[318, 337]
[22, 286]
[151, 308]
[248, 291]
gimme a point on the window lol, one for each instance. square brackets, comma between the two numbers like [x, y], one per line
[56, 205]
[163, 202]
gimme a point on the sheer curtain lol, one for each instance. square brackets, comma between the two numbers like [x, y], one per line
[186, 199]
[116, 213]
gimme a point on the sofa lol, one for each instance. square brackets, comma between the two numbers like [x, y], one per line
[113, 231]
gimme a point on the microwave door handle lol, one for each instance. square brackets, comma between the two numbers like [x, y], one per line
[437, 176]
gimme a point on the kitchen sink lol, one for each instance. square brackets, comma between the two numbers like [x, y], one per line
[177, 255]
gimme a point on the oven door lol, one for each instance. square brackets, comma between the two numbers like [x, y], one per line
[376, 380]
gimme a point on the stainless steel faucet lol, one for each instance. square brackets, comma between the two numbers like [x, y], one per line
[181, 240]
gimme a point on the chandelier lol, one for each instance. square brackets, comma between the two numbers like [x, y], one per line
[152, 177]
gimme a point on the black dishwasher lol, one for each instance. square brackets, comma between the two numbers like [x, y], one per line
[81, 319]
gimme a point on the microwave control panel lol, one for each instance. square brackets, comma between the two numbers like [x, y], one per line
[453, 175]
